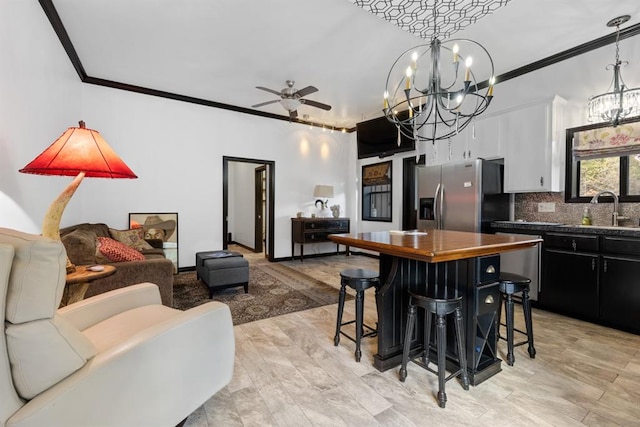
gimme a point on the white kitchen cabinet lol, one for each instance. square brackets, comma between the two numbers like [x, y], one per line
[530, 138]
[430, 152]
[480, 139]
[483, 138]
[452, 149]
[533, 139]
[444, 151]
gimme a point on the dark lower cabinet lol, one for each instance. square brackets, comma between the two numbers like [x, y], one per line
[570, 283]
[620, 292]
[593, 277]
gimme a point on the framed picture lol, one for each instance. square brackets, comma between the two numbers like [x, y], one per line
[161, 226]
[376, 192]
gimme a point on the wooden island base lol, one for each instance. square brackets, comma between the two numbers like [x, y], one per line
[466, 277]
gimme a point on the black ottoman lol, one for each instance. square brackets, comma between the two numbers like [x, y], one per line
[222, 269]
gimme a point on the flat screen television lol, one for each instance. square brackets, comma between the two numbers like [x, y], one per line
[379, 137]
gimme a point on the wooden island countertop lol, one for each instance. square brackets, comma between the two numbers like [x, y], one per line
[435, 245]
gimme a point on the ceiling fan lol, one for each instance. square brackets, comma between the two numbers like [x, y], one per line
[291, 98]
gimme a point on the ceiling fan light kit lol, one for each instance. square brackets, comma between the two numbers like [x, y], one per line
[290, 104]
[291, 98]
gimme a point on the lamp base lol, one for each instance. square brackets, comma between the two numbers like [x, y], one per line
[70, 267]
[51, 223]
[323, 205]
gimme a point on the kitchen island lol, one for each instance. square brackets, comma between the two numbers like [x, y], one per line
[442, 263]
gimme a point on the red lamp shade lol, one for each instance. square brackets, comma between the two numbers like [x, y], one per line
[78, 150]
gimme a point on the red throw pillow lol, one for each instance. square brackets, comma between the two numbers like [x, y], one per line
[115, 251]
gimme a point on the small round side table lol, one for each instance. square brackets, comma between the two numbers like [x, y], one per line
[78, 282]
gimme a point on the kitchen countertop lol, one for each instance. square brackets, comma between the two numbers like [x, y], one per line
[536, 226]
[434, 245]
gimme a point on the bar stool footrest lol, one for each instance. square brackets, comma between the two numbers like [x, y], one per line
[516, 344]
[514, 330]
[372, 331]
[433, 371]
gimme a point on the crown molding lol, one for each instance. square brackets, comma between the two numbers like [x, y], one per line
[52, 14]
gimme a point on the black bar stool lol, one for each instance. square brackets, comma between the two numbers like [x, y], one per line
[360, 280]
[510, 284]
[439, 308]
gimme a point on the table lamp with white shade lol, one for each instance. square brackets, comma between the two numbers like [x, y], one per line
[323, 192]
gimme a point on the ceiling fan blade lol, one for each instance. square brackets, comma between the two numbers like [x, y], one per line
[265, 103]
[306, 91]
[275, 92]
[316, 104]
[293, 114]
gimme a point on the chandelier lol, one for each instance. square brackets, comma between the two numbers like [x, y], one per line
[621, 102]
[432, 90]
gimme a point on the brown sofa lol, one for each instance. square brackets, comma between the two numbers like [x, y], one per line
[80, 243]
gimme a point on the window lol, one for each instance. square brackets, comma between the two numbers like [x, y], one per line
[376, 192]
[587, 177]
[634, 174]
[598, 174]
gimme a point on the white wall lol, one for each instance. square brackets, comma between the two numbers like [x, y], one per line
[571, 79]
[175, 148]
[243, 200]
[39, 99]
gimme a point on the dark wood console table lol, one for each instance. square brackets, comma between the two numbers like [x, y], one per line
[316, 230]
[439, 262]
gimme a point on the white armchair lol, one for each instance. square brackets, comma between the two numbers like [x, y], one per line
[116, 359]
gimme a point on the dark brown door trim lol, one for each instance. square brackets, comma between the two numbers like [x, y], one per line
[271, 179]
[260, 174]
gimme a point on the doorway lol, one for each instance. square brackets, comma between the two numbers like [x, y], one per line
[263, 195]
[260, 215]
[410, 192]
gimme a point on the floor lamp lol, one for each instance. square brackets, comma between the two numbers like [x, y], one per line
[77, 152]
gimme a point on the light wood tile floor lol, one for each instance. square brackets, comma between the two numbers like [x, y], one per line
[289, 373]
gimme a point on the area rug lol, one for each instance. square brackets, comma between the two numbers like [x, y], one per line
[274, 289]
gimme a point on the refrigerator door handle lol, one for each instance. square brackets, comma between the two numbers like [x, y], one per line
[436, 213]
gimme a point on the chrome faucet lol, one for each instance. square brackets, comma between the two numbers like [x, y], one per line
[614, 215]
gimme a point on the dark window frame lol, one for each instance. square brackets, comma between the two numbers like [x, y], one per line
[572, 168]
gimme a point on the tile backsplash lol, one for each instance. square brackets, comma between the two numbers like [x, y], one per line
[526, 208]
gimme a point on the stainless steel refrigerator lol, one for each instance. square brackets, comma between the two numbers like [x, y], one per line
[462, 196]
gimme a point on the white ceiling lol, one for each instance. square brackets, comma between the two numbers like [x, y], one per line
[219, 50]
